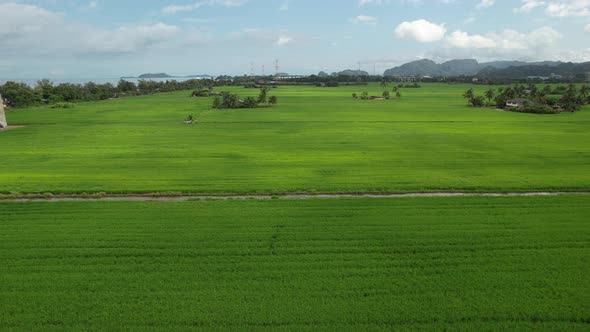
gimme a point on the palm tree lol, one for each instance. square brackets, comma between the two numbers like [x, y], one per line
[490, 95]
[584, 90]
[468, 94]
[384, 83]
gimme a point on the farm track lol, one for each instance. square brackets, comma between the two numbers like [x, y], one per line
[183, 198]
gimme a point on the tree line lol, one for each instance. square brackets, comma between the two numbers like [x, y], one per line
[537, 100]
[228, 100]
[17, 94]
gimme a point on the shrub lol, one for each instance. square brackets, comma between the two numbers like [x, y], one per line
[477, 101]
[365, 95]
[249, 102]
[273, 100]
[63, 105]
[386, 94]
[354, 95]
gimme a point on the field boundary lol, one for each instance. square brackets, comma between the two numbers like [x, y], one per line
[183, 198]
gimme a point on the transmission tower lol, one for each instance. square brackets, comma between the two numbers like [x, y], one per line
[251, 69]
[263, 71]
[276, 68]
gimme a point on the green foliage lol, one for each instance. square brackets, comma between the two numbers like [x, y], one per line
[249, 102]
[262, 97]
[537, 109]
[365, 95]
[386, 94]
[477, 101]
[63, 105]
[273, 100]
[454, 264]
[354, 95]
[19, 94]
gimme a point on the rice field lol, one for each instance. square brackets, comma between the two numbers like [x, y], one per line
[316, 140]
[468, 263]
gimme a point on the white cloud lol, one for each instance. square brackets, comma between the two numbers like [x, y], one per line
[464, 40]
[370, 2]
[421, 31]
[528, 5]
[173, 9]
[364, 19]
[26, 29]
[587, 28]
[569, 8]
[485, 4]
[539, 44]
[284, 40]
[129, 38]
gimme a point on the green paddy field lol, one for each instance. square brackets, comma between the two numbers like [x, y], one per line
[317, 140]
[505, 264]
[342, 264]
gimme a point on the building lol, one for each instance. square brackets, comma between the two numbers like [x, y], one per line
[3, 124]
[518, 102]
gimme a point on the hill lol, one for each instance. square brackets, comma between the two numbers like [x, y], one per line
[426, 67]
[157, 75]
[547, 70]
[350, 72]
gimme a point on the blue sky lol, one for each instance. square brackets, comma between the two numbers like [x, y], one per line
[107, 38]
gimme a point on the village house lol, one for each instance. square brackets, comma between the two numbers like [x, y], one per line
[518, 102]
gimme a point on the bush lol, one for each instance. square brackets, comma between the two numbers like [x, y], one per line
[63, 105]
[365, 95]
[354, 95]
[477, 101]
[386, 94]
[249, 102]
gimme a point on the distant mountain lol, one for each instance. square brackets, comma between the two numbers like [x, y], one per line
[422, 67]
[461, 67]
[544, 69]
[157, 75]
[350, 72]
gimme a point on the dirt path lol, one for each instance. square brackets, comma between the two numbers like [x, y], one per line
[151, 198]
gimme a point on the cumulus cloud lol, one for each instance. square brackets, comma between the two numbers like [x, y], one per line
[557, 8]
[528, 5]
[464, 40]
[568, 8]
[27, 28]
[505, 45]
[364, 19]
[421, 31]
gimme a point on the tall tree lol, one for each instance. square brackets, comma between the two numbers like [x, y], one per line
[490, 95]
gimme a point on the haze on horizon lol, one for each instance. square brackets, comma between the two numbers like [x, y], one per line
[107, 38]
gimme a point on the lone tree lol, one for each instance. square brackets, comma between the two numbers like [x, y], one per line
[262, 96]
[272, 100]
[398, 95]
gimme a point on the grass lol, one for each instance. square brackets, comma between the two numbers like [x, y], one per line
[470, 263]
[315, 140]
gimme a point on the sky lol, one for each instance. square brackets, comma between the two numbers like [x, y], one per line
[112, 38]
